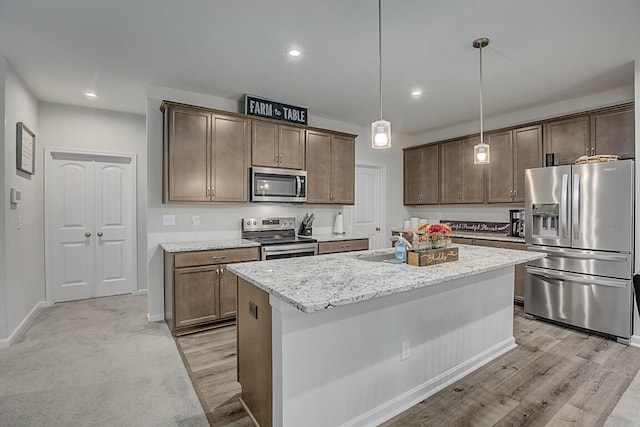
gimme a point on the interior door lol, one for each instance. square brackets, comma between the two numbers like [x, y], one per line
[113, 226]
[91, 226]
[368, 215]
[73, 241]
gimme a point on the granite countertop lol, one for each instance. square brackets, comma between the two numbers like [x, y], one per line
[338, 237]
[205, 245]
[317, 283]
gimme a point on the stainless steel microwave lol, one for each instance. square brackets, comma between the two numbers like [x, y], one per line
[278, 185]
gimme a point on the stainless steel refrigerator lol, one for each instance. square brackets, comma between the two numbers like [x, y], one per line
[581, 216]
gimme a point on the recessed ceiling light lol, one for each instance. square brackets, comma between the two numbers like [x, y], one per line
[91, 94]
[416, 92]
[294, 52]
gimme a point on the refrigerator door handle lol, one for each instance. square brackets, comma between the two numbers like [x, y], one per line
[565, 205]
[579, 278]
[563, 254]
[575, 208]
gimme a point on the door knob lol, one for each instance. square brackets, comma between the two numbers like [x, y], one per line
[377, 228]
[87, 234]
[99, 233]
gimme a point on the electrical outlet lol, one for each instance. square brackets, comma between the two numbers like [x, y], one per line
[406, 350]
[168, 220]
[195, 220]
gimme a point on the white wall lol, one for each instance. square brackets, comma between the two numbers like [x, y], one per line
[22, 224]
[89, 129]
[636, 323]
[224, 221]
[3, 203]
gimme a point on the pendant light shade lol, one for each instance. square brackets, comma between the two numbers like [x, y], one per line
[380, 130]
[381, 134]
[481, 152]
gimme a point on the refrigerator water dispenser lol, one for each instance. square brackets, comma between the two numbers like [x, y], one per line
[545, 219]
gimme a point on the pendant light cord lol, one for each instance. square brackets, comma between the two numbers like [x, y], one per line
[380, 52]
[481, 113]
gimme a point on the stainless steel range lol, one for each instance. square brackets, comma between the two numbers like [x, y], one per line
[277, 238]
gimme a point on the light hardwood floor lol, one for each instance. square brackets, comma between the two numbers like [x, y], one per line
[556, 377]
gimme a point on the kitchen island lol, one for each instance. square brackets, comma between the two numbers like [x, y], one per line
[338, 340]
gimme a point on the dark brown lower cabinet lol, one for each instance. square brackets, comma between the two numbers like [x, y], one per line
[199, 291]
[343, 246]
[518, 283]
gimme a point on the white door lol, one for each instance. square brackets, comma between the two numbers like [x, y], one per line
[91, 227]
[368, 213]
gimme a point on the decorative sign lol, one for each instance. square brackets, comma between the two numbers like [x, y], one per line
[432, 256]
[268, 109]
[25, 149]
[478, 227]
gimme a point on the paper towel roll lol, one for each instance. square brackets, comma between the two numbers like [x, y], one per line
[415, 222]
[338, 226]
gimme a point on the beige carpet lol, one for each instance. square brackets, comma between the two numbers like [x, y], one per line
[96, 363]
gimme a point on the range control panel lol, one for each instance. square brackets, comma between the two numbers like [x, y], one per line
[257, 224]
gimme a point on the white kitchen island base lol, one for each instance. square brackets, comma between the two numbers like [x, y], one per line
[343, 366]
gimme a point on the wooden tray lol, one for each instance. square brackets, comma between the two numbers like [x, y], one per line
[600, 158]
[432, 256]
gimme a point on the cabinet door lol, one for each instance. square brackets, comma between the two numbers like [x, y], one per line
[195, 295]
[228, 291]
[500, 168]
[472, 174]
[527, 154]
[567, 139]
[291, 147]
[264, 144]
[412, 176]
[230, 159]
[186, 154]
[429, 173]
[450, 172]
[614, 133]
[343, 169]
[318, 170]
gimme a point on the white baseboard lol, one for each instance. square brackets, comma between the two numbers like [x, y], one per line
[635, 341]
[412, 397]
[22, 326]
[155, 317]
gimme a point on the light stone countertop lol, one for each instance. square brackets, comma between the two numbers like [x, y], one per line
[337, 237]
[205, 245]
[317, 283]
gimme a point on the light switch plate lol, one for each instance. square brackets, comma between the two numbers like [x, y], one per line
[168, 220]
[195, 220]
[406, 350]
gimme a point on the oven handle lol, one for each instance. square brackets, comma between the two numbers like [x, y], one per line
[579, 278]
[294, 248]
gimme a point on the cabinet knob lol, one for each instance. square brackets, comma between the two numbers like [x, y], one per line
[593, 150]
[377, 228]
[87, 234]
[99, 233]
[217, 258]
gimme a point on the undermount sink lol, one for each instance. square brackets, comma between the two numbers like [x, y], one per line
[378, 258]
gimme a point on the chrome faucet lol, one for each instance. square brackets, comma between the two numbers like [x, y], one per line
[401, 239]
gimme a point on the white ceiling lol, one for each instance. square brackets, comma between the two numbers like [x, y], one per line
[541, 51]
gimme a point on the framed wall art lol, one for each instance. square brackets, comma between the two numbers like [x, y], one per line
[25, 149]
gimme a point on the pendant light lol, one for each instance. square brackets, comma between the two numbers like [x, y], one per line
[380, 130]
[481, 155]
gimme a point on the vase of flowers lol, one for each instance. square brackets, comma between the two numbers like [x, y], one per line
[433, 236]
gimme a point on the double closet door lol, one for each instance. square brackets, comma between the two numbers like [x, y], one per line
[91, 204]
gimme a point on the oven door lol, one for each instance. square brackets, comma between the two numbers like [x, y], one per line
[288, 251]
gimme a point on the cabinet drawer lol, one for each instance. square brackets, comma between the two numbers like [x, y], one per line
[219, 256]
[343, 246]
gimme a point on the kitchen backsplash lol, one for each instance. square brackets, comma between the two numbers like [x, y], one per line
[475, 213]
